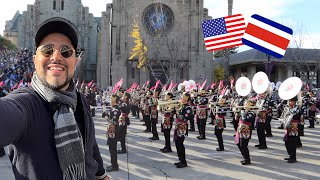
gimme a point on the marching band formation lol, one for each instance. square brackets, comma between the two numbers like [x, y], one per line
[250, 104]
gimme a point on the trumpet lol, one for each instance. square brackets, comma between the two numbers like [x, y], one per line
[214, 104]
[168, 106]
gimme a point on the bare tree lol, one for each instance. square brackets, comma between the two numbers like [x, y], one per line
[302, 66]
[169, 53]
[226, 52]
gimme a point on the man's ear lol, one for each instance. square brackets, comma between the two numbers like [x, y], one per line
[76, 61]
[34, 61]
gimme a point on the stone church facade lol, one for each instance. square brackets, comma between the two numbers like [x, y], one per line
[179, 22]
[170, 28]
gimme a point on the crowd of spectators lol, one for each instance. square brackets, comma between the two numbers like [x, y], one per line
[16, 68]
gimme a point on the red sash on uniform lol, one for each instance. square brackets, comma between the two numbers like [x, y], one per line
[166, 124]
[154, 113]
[262, 116]
[201, 112]
[293, 129]
[243, 131]
[111, 133]
[218, 122]
[180, 128]
[122, 119]
[146, 110]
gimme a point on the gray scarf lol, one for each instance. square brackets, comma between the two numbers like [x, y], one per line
[66, 132]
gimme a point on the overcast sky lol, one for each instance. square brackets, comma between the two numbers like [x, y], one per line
[292, 13]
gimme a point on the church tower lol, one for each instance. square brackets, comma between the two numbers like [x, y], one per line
[173, 34]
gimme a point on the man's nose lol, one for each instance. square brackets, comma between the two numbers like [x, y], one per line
[56, 55]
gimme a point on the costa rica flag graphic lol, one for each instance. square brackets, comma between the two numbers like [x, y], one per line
[267, 36]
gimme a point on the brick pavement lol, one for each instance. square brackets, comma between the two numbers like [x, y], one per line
[145, 161]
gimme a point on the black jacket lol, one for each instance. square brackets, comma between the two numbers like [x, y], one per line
[26, 122]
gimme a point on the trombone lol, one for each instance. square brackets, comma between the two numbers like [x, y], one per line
[235, 109]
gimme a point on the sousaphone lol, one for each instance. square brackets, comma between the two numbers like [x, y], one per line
[243, 86]
[260, 82]
[290, 88]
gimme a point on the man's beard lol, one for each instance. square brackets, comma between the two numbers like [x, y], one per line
[53, 87]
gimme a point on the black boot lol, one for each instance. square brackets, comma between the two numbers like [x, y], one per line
[201, 137]
[291, 160]
[246, 162]
[182, 165]
[263, 147]
[163, 149]
[122, 151]
[112, 168]
[167, 150]
[154, 138]
[220, 149]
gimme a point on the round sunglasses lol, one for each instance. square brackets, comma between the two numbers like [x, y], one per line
[48, 50]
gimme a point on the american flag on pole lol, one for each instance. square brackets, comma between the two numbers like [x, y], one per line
[267, 36]
[225, 32]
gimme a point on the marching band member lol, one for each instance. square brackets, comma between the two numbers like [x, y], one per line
[312, 114]
[292, 132]
[236, 114]
[112, 132]
[146, 110]
[99, 98]
[261, 123]
[303, 101]
[194, 108]
[213, 100]
[142, 100]
[269, 104]
[202, 114]
[154, 115]
[313, 109]
[166, 125]
[181, 129]
[134, 103]
[280, 108]
[244, 131]
[220, 122]
[124, 121]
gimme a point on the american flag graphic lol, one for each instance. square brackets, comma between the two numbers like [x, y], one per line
[225, 32]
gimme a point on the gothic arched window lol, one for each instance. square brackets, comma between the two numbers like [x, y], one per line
[158, 19]
[62, 4]
[54, 4]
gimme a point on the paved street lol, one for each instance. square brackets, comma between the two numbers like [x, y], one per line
[145, 161]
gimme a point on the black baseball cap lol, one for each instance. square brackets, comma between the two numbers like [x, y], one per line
[295, 98]
[56, 26]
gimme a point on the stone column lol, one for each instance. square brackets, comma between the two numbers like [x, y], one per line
[237, 74]
[281, 73]
[103, 67]
[251, 70]
[289, 71]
